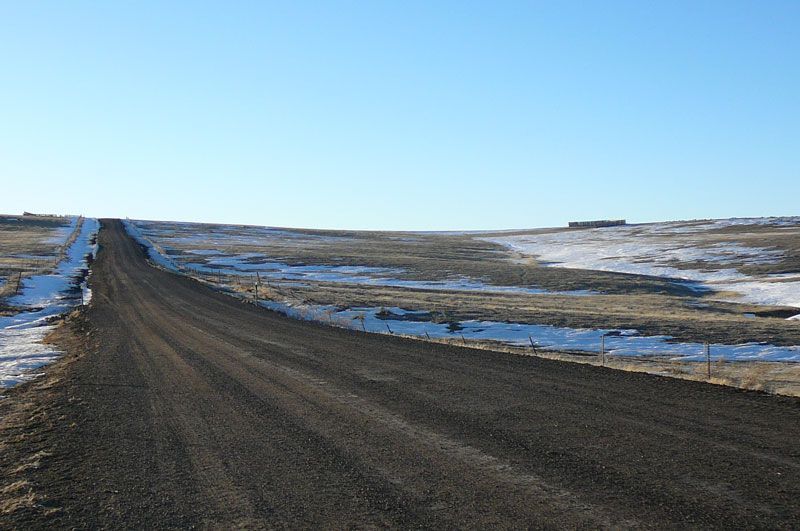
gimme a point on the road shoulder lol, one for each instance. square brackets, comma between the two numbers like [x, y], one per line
[33, 418]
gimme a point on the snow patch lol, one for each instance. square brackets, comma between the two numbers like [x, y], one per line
[63, 232]
[372, 276]
[655, 249]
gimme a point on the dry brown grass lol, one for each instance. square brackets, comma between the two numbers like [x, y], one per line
[16, 495]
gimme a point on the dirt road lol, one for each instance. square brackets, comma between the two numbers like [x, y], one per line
[187, 407]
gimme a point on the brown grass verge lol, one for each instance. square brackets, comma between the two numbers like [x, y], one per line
[26, 411]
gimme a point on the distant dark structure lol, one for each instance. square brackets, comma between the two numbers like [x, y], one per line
[32, 215]
[598, 223]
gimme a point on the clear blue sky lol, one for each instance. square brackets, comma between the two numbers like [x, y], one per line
[400, 115]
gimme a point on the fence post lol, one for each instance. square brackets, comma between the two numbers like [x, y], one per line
[708, 361]
[389, 329]
[603, 350]
[533, 345]
[464, 339]
[426, 335]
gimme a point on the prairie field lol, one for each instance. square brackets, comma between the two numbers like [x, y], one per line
[31, 245]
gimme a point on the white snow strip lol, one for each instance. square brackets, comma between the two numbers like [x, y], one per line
[21, 348]
[63, 232]
[45, 290]
[156, 255]
[545, 337]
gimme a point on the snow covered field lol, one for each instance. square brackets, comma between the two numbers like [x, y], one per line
[673, 250]
[42, 297]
